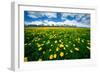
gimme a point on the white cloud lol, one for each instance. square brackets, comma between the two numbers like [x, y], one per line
[34, 14]
[33, 23]
[86, 20]
[79, 18]
[37, 14]
[46, 22]
[67, 22]
[78, 24]
[76, 15]
[50, 14]
[64, 15]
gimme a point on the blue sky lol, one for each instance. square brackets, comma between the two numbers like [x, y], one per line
[56, 18]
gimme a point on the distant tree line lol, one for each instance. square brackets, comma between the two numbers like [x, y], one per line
[33, 25]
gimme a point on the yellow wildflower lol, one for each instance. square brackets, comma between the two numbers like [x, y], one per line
[61, 45]
[61, 54]
[55, 55]
[40, 49]
[51, 57]
[57, 49]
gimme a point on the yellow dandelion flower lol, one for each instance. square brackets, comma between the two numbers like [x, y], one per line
[77, 49]
[61, 54]
[40, 49]
[61, 45]
[55, 55]
[39, 45]
[51, 57]
[57, 49]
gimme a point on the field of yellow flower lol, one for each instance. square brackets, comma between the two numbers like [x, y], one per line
[56, 43]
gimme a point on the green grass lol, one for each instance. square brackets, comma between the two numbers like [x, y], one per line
[56, 43]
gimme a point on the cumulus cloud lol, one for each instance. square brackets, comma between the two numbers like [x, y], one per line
[79, 17]
[34, 14]
[50, 15]
[86, 19]
[33, 23]
[37, 14]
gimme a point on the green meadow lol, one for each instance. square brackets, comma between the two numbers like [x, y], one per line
[56, 43]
